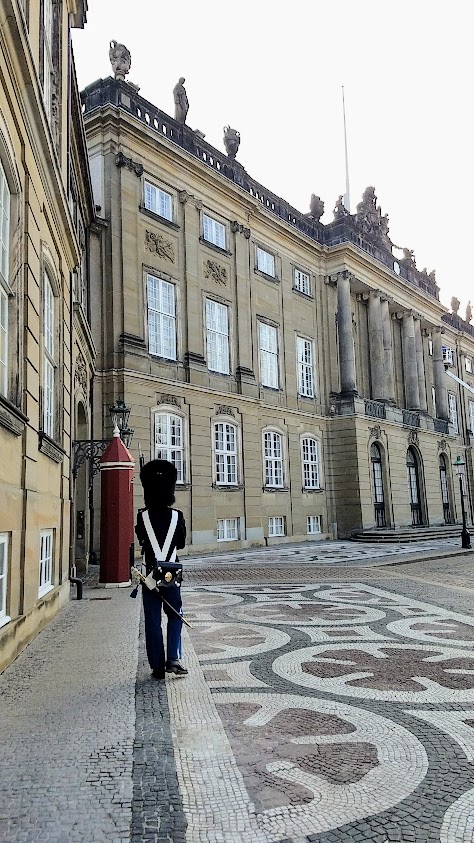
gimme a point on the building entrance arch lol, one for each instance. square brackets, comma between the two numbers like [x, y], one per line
[443, 476]
[377, 485]
[413, 473]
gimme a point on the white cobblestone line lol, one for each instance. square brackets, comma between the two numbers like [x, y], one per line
[215, 800]
[458, 823]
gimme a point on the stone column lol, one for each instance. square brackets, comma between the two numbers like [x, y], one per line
[347, 365]
[377, 354]
[420, 365]
[388, 350]
[410, 369]
[441, 392]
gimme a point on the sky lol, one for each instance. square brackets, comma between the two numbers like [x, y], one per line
[275, 71]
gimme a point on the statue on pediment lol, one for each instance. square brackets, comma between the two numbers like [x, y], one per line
[468, 312]
[316, 207]
[370, 221]
[455, 305]
[120, 59]
[340, 209]
[408, 258]
[231, 141]
[181, 103]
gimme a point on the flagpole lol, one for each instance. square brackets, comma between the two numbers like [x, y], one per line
[347, 195]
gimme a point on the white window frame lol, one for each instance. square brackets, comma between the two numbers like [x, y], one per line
[4, 547]
[172, 446]
[430, 347]
[158, 201]
[45, 574]
[276, 525]
[448, 355]
[48, 65]
[5, 210]
[471, 416]
[433, 399]
[226, 453]
[3, 341]
[468, 364]
[161, 315]
[273, 459]
[49, 364]
[310, 462]
[305, 358]
[265, 262]
[268, 355]
[313, 521]
[228, 529]
[214, 231]
[453, 411]
[301, 281]
[217, 337]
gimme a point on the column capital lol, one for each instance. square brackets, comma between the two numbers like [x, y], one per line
[330, 280]
[438, 329]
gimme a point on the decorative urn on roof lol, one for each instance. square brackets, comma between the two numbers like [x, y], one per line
[120, 59]
[231, 141]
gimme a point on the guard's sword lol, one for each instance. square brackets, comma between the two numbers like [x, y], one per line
[142, 579]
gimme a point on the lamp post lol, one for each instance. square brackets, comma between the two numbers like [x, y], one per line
[120, 414]
[465, 537]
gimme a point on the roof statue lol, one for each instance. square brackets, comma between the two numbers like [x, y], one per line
[409, 259]
[468, 311]
[340, 209]
[120, 59]
[181, 103]
[231, 141]
[369, 219]
[316, 207]
[455, 304]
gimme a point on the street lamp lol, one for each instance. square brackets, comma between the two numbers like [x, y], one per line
[465, 537]
[120, 414]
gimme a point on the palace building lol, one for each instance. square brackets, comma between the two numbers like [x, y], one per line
[293, 371]
[46, 348]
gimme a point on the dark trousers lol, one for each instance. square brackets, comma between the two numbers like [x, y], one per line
[152, 605]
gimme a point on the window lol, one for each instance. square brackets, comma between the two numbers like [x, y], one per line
[305, 367]
[4, 267]
[471, 416]
[48, 66]
[3, 577]
[448, 355]
[158, 201]
[169, 441]
[268, 355]
[430, 347]
[276, 525]
[313, 524]
[225, 440]
[46, 562]
[217, 337]
[49, 367]
[265, 262]
[273, 454]
[227, 529]
[433, 399]
[301, 282]
[213, 231]
[468, 364]
[453, 411]
[161, 318]
[310, 462]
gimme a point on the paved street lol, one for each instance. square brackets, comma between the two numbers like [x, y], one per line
[327, 700]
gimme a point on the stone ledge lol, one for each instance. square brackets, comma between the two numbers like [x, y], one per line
[50, 448]
[11, 417]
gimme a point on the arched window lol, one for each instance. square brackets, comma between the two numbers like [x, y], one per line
[273, 459]
[414, 487]
[443, 477]
[310, 462]
[169, 440]
[225, 449]
[49, 362]
[377, 481]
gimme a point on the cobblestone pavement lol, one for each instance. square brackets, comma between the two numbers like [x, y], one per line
[325, 702]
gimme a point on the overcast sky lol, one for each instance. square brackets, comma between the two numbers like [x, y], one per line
[274, 71]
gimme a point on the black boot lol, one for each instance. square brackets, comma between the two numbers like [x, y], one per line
[158, 673]
[176, 668]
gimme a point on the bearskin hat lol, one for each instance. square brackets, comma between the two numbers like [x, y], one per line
[158, 478]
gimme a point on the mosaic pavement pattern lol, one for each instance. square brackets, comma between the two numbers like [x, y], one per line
[327, 552]
[338, 711]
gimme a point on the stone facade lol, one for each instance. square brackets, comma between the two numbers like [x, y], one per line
[46, 346]
[250, 339]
